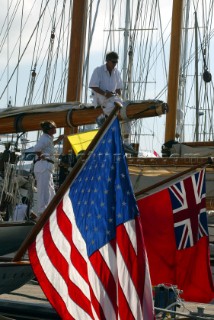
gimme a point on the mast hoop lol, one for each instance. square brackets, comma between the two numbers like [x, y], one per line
[18, 123]
[69, 119]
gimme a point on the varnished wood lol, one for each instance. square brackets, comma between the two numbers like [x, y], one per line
[31, 122]
[173, 79]
[168, 162]
[76, 56]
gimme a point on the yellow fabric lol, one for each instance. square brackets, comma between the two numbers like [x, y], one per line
[81, 141]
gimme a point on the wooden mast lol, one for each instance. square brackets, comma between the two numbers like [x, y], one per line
[76, 55]
[173, 79]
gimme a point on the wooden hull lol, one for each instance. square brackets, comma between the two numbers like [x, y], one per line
[14, 275]
[23, 121]
[12, 234]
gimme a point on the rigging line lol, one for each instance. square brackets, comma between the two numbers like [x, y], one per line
[91, 33]
[7, 48]
[37, 95]
[32, 75]
[162, 41]
[64, 45]
[35, 54]
[90, 36]
[17, 75]
[50, 53]
[61, 92]
[157, 55]
[150, 47]
[86, 63]
[24, 51]
[64, 62]
[57, 52]
[191, 58]
[202, 42]
[48, 65]
[17, 42]
[29, 14]
[209, 22]
[208, 112]
[5, 20]
[110, 26]
[42, 45]
[204, 125]
[146, 53]
[9, 22]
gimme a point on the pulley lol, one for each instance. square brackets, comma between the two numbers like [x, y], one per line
[207, 77]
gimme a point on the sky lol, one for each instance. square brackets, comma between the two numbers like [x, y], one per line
[11, 49]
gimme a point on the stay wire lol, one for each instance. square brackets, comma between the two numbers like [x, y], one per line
[21, 56]
[17, 74]
[57, 52]
[8, 21]
[38, 93]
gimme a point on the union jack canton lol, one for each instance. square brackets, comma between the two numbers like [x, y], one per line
[188, 198]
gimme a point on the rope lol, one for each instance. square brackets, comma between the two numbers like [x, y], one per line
[24, 50]
[57, 52]
[17, 77]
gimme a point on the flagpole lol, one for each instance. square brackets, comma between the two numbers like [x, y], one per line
[176, 176]
[63, 188]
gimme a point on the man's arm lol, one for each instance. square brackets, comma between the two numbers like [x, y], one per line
[98, 90]
[106, 94]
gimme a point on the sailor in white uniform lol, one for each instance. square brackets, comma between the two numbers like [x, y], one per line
[44, 165]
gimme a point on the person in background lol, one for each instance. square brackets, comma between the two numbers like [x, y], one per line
[66, 162]
[106, 85]
[44, 165]
[21, 211]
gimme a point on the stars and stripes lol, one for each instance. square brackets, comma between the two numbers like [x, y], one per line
[90, 258]
[189, 211]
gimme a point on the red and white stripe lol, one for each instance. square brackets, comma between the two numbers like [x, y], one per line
[114, 283]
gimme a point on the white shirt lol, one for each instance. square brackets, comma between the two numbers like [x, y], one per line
[20, 212]
[45, 145]
[102, 79]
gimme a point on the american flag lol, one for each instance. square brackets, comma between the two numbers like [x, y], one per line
[89, 258]
[189, 210]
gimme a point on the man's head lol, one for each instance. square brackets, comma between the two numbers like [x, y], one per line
[48, 126]
[112, 59]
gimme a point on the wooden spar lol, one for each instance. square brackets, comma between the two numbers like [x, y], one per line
[63, 188]
[76, 55]
[173, 79]
[24, 122]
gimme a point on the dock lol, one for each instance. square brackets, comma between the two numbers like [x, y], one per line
[29, 302]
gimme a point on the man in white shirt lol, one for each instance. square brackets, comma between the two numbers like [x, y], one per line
[106, 84]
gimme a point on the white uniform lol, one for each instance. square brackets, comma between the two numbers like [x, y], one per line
[43, 171]
[102, 79]
[20, 212]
